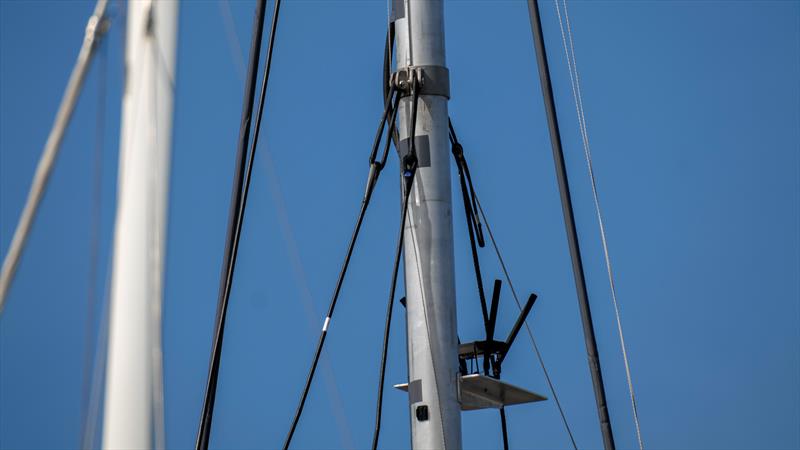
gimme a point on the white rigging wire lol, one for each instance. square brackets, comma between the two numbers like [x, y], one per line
[99, 369]
[232, 38]
[569, 51]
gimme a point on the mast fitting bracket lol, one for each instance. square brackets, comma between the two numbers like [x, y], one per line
[431, 80]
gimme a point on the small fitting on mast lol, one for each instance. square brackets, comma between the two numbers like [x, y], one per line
[409, 169]
[430, 80]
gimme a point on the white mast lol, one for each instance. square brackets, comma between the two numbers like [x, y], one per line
[133, 409]
[428, 242]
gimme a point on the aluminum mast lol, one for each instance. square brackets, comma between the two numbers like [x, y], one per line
[428, 243]
[132, 417]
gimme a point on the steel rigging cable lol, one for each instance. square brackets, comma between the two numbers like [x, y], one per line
[237, 60]
[408, 183]
[473, 225]
[479, 209]
[238, 204]
[569, 224]
[572, 64]
[375, 168]
[475, 231]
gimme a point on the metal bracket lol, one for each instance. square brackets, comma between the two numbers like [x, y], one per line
[431, 80]
[478, 391]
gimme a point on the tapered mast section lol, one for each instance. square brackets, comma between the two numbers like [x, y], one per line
[133, 410]
[428, 243]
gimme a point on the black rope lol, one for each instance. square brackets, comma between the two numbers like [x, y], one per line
[374, 172]
[473, 226]
[474, 217]
[503, 426]
[479, 210]
[410, 157]
[590, 342]
[408, 182]
[387, 59]
[235, 216]
[388, 52]
[409, 169]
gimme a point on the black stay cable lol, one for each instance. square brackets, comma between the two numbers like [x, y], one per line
[412, 136]
[409, 164]
[387, 59]
[479, 210]
[458, 153]
[474, 218]
[374, 172]
[503, 426]
[242, 189]
[592, 353]
[387, 69]
[234, 215]
[408, 182]
[474, 226]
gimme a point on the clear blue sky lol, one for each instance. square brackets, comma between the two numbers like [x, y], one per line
[693, 111]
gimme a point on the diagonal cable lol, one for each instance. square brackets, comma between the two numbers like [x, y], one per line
[389, 307]
[479, 208]
[527, 328]
[376, 166]
[577, 96]
[235, 219]
[301, 281]
[95, 30]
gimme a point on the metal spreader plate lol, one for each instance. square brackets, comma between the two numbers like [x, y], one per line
[482, 392]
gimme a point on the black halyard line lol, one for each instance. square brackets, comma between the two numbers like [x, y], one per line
[479, 209]
[234, 226]
[570, 227]
[389, 308]
[374, 173]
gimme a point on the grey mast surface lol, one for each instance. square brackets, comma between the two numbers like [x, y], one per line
[428, 242]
